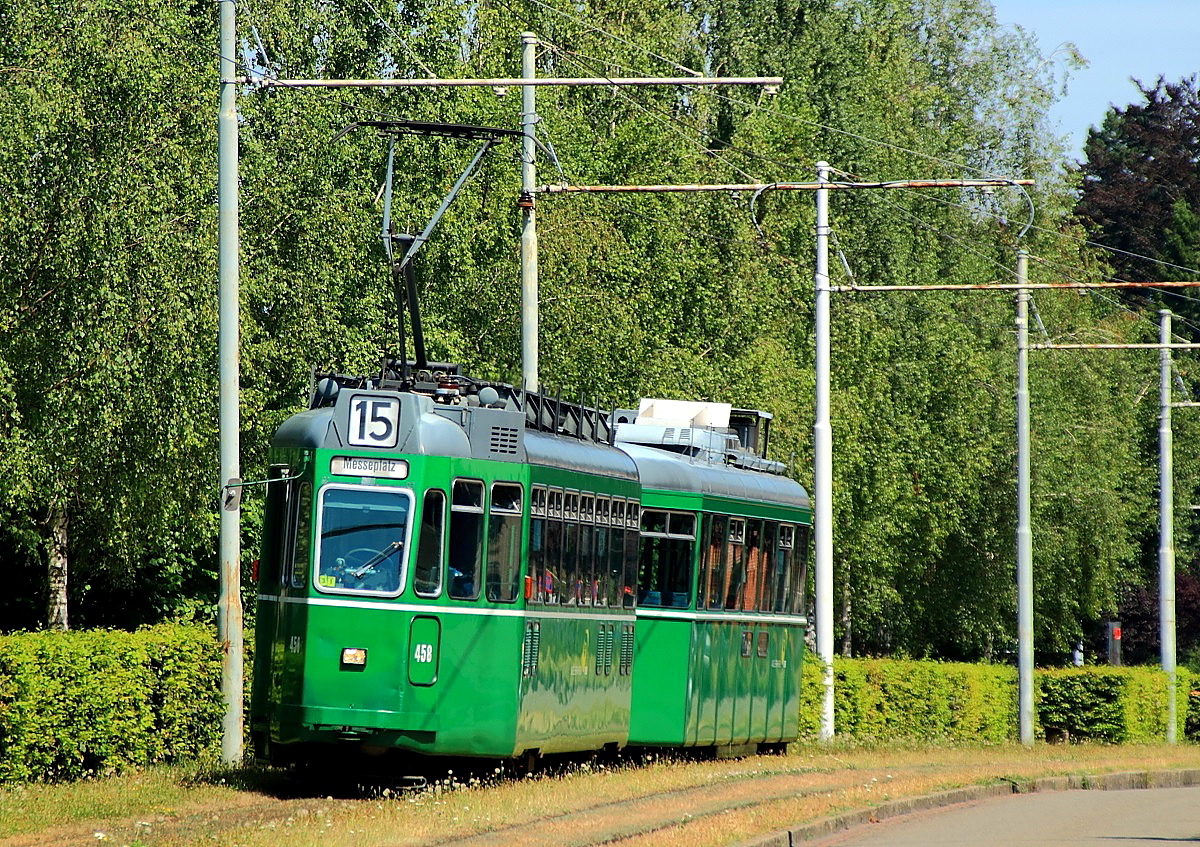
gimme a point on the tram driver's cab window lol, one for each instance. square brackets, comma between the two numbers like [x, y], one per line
[362, 533]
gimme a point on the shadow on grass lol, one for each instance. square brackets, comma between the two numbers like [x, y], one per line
[359, 777]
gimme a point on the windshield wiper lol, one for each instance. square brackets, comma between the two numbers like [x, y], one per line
[369, 565]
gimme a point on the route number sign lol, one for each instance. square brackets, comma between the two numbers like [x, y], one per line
[374, 421]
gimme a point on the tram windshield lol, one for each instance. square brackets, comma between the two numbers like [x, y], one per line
[363, 532]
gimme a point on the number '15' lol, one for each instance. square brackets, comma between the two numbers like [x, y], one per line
[376, 421]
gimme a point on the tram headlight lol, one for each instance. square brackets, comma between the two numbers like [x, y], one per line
[354, 656]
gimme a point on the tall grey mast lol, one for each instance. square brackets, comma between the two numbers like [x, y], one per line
[229, 608]
[529, 257]
[1024, 528]
[823, 459]
[1166, 522]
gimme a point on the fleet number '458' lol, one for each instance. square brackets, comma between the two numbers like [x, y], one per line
[374, 421]
[423, 653]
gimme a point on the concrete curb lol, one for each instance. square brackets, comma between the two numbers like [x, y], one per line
[1074, 782]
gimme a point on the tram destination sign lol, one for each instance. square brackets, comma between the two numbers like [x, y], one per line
[369, 466]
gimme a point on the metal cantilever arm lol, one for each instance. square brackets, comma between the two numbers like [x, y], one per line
[424, 236]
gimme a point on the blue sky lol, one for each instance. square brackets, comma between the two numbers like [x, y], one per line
[1120, 39]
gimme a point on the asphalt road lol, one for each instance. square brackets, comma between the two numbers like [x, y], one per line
[1129, 818]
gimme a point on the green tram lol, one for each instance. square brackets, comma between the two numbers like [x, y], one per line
[453, 568]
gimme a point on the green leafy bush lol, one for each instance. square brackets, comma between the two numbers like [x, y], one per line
[1192, 709]
[893, 699]
[810, 697]
[74, 704]
[1079, 703]
[890, 699]
[1110, 704]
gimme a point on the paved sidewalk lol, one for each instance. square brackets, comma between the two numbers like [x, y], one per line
[823, 829]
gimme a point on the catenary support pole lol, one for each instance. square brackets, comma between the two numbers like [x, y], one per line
[229, 607]
[1024, 532]
[529, 245]
[823, 461]
[1166, 521]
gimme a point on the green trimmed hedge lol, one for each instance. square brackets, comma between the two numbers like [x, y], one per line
[73, 704]
[1111, 704]
[891, 699]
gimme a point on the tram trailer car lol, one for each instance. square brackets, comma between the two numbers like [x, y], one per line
[453, 568]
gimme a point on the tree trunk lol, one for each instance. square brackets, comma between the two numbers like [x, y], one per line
[56, 601]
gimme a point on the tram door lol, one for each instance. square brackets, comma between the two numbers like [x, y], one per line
[292, 621]
[283, 577]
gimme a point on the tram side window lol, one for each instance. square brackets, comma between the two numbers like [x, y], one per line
[275, 525]
[755, 565]
[631, 548]
[735, 558]
[764, 602]
[714, 584]
[540, 569]
[537, 560]
[427, 567]
[625, 548]
[620, 593]
[552, 580]
[301, 535]
[504, 543]
[632, 545]
[607, 587]
[799, 571]
[466, 539]
[667, 553]
[590, 577]
[782, 569]
[587, 580]
[571, 587]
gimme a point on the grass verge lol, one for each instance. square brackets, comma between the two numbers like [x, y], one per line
[664, 802]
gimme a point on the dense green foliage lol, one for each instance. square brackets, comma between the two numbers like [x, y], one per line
[892, 700]
[107, 296]
[1141, 184]
[106, 319]
[82, 704]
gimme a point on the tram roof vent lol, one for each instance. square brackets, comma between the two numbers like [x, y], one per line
[495, 433]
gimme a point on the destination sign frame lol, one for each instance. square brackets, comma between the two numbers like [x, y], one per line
[377, 467]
